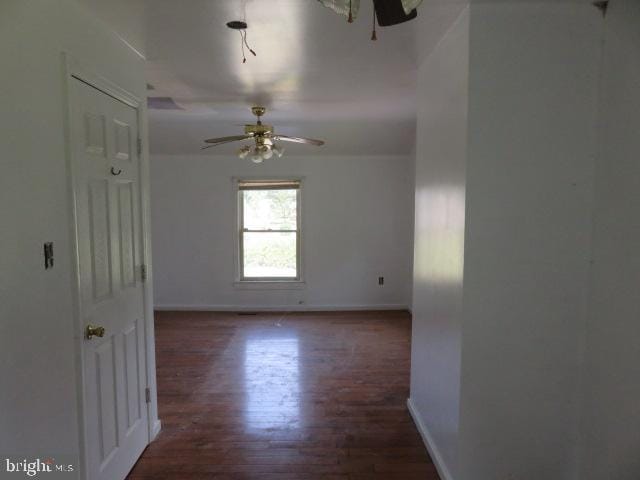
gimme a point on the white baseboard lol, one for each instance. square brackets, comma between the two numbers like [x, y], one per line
[155, 429]
[278, 308]
[438, 461]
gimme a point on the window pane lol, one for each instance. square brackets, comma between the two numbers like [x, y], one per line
[270, 209]
[270, 254]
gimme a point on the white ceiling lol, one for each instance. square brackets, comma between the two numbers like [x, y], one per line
[319, 76]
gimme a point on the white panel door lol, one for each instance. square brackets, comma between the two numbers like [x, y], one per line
[109, 231]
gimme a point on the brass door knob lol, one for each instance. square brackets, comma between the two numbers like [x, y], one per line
[93, 331]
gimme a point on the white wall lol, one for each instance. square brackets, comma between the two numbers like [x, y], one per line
[612, 381]
[532, 106]
[38, 403]
[357, 226]
[507, 128]
[439, 242]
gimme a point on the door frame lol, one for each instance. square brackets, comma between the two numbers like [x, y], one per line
[74, 71]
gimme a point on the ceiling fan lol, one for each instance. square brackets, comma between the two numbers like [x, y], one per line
[264, 138]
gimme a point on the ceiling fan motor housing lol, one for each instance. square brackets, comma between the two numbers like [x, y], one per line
[258, 130]
[391, 12]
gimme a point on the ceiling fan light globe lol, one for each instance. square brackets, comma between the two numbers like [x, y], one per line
[268, 153]
[256, 156]
[243, 152]
[278, 150]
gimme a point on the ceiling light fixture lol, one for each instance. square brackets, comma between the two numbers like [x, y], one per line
[260, 153]
[241, 28]
[264, 139]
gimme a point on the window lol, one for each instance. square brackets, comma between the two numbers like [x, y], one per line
[269, 230]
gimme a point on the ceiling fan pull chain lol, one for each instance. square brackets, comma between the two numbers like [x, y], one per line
[350, 19]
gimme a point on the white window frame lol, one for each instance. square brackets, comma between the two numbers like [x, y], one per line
[275, 282]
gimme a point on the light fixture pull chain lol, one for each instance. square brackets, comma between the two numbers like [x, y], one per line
[244, 59]
[245, 42]
[350, 19]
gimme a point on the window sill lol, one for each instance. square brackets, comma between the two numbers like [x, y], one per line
[270, 284]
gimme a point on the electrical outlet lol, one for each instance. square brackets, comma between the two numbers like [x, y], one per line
[380, 280]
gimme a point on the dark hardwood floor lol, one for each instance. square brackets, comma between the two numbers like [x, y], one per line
[284, 396]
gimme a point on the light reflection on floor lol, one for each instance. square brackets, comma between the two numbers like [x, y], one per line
[272, 376]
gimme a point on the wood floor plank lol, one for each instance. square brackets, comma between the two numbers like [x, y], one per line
[286, 396]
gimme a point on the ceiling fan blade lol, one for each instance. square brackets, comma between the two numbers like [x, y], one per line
[226, 141]
[308, 141]
[209, 146]
[232, 138]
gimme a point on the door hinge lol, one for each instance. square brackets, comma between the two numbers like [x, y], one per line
[147, 395]
[143, 272]
[139, 143]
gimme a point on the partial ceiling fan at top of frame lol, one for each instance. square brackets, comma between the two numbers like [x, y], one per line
[385, 12]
